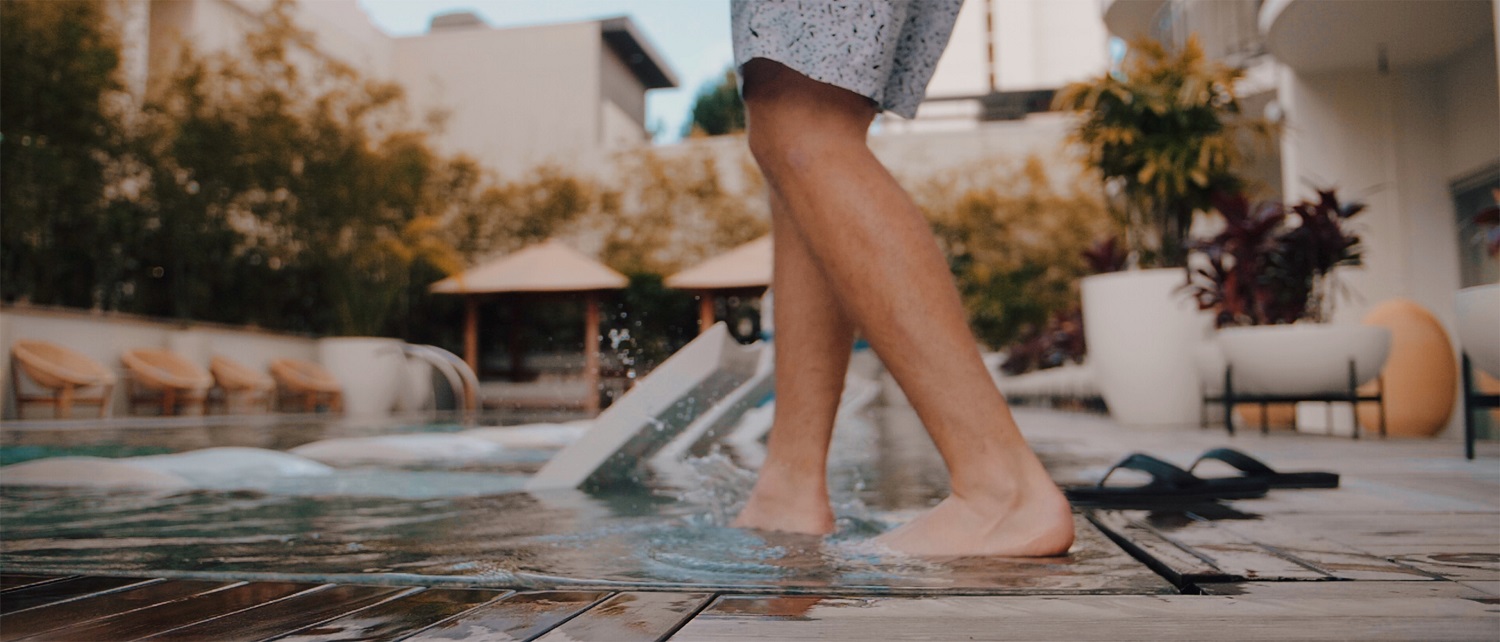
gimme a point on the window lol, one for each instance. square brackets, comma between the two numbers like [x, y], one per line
[1472, 195]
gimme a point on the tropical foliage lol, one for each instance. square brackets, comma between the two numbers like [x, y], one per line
[718, 109]
[59, 133]
[1015, 238]
[1271, 264]
[1167, 134]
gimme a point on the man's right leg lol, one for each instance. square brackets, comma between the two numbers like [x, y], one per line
[813, 340]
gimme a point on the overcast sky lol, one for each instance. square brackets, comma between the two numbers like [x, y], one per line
[693, 36]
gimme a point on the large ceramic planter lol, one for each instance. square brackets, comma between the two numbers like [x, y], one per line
[1479, 326]
[1142, 335]
[371, 370]
[1303, 359]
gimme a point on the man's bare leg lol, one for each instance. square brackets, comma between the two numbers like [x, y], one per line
[813, 338]
[877, 251]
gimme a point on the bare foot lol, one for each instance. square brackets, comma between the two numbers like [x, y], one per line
[780, 505]
[1033, 523]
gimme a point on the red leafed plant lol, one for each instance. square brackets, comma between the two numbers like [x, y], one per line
[1488, 223]
[1271, 265]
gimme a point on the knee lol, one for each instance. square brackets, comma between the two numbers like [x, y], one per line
[793, 120]
[775, 146]
[788, 139]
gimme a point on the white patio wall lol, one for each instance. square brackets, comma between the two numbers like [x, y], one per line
[104, 337]
[1396, 141]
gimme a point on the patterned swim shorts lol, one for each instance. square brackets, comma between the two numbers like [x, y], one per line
[885, 50]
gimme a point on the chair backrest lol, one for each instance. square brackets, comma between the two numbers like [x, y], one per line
[163, 368]
[304, 375]
[233, 375]
[54, 366]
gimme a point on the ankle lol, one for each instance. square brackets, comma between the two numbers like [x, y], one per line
[1008, 484]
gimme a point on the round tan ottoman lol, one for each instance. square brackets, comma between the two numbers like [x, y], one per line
[1421, 374]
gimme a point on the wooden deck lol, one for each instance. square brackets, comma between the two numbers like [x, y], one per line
[100, 609]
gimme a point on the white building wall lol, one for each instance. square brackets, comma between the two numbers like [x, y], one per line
[345, 32]
[1468, 87]
[1038, 44]
[1045, 44]
[1396, 141]
[528, 98]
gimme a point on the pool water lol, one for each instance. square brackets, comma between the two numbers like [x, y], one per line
[467, 522]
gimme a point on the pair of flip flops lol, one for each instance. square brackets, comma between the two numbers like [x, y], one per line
[1172, 484]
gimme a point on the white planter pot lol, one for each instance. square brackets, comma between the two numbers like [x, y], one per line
[1303, 359]
[1142, 336]
[416, 385]
[1479, 326]
[371, 370]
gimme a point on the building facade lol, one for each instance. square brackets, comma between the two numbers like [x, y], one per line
[511, 98]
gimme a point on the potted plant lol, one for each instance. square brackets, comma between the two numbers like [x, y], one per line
[1268, 277]
[1165, 134]
[1479, 306]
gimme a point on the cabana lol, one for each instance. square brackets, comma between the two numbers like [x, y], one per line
[546, 268]
[744, 270]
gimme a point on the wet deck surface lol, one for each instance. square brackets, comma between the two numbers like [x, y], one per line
[1407, 548]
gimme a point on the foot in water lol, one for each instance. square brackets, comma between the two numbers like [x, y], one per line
[1034, 522]
[777, 504]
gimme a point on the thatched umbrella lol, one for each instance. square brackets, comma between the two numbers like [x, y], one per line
[743, 270]
[550, 268]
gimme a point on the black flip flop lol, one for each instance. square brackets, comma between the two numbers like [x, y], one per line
[1169, 484]
[1255, 469]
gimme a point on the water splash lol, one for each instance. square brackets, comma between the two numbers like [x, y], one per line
[718, 488]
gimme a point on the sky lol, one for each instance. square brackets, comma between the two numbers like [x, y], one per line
[692, 35]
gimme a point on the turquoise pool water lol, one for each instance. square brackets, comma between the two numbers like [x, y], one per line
[468, 522]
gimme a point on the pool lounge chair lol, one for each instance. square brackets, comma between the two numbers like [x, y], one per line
[62, 372]
[163, 378]
[311, 383]
[234, 380]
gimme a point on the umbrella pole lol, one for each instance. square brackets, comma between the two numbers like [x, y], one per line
[471, 332]
[705, 310]
[591, 353]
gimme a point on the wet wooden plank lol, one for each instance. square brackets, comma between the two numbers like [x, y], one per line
[56, 616]
[1326, 555]
[1465, 566]
[1386, 533]
[630, 617]
[165, 617]
[289, 615]
[10, 581]
[31, 597]
[1486, 586]
[522, 616]
[1177, 564]
[400, 617]
[1091, 617]
[1349, 590]
[1231, 553]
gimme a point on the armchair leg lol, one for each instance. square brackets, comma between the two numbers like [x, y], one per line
[107, 400]
[1470, 430]
[1229, 399]
[1353, 401]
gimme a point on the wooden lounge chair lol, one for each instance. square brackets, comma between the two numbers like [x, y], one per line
[234, 380]
[306, 381]
[61, 371]
[161, 377]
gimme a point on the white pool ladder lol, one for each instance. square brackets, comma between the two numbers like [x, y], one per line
[456, 371]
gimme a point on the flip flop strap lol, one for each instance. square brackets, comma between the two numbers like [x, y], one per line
[1161, 472]
[1245, 463]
